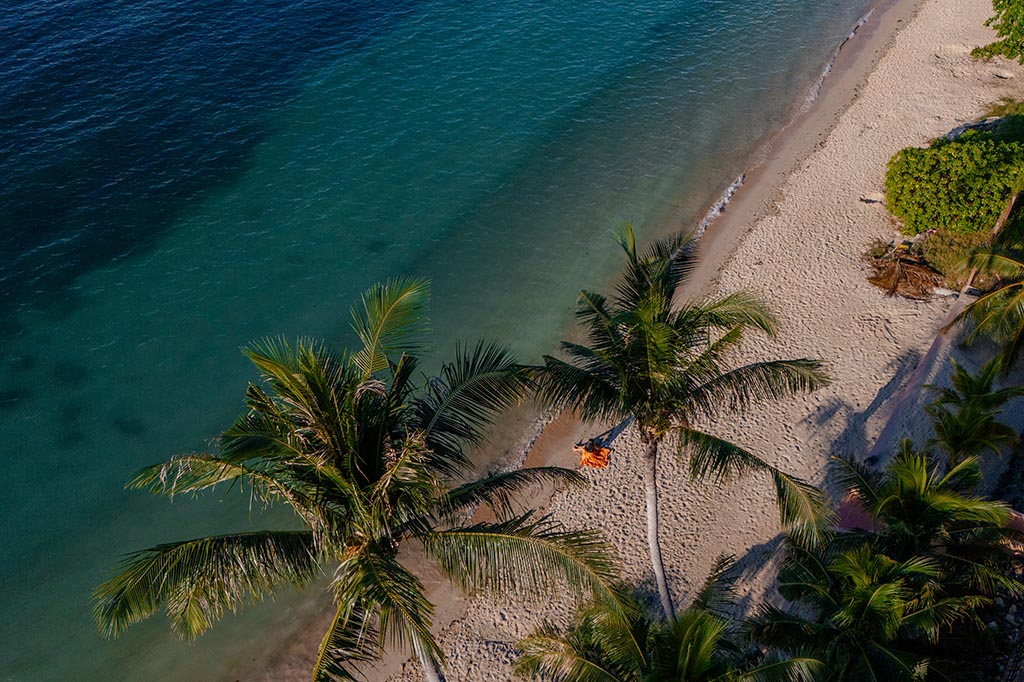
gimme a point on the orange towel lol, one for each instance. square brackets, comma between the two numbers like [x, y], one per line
[593, 456]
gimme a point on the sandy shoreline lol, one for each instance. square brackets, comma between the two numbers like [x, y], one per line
[794, 233]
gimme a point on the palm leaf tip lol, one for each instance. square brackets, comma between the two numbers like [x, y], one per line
[197, 581]
[391, 320]
[350, 639]
[804, 509]
[502, 491]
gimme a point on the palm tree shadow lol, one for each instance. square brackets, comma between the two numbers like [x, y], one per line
[854, 437]
[750, 569]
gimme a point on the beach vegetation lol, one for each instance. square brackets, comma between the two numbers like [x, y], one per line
[998, 314]
[899, 600]
[965, 416]
[668, 368]
[1008, 23]
[958, 186]
[945, 251]
[1010, 112]
[374, 466]
[924, 508]
[620, 642]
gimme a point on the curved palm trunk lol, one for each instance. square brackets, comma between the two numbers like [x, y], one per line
[431, 673]
[651, 491]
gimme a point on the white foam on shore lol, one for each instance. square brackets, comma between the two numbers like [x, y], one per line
[718, 208]
[815, 92]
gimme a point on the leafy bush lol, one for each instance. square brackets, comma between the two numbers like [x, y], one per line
[946, 251]
[1008, 23]
[959, 185]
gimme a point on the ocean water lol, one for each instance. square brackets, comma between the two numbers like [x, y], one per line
[182, 177]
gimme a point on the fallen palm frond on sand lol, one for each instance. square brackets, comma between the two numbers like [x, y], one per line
[902, 271]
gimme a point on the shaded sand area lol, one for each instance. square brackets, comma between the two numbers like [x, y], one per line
[794, 234]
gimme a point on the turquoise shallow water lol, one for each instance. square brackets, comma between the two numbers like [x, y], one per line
[184, 177]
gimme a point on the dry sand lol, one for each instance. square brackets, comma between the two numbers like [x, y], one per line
[795, 235]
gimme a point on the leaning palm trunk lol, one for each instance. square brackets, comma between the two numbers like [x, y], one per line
[654, 544]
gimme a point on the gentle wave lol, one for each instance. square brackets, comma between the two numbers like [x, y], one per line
[719, 207]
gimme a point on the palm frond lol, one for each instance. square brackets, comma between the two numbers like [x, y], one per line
[500, 491]
[565, 386]
[803, 509]
[998, 262]
[194, 473]
[801, 669]
[788, 631]
[378, 583]
[198, 580]
[548, 654]
[853, 476]
[391, 321]
[741, 308]
[737, 389]
[932, 618]
[592, 310]
[350, 639]
[656, 274]
[719, 590]
[188, 474]
[693, 645]
[524, 555]
[454, 408]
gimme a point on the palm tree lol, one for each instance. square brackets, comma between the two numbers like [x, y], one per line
[923, 512]
[999, 314]
[370, 462]
[874, 604]
[965, 416]
[861, 613]
[618, 642]
[665, 367]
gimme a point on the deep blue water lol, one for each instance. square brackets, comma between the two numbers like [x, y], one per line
[182, 177]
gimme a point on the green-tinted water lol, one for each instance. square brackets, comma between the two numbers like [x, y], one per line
[490, 146]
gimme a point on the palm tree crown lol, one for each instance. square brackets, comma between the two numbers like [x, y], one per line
[999, 314]
[873, 605]
[923, 510]
[965, 416]
[702, 643]
[368, 460]
[666, 366]
[861, 613]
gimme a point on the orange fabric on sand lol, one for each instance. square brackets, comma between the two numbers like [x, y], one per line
[593, 455]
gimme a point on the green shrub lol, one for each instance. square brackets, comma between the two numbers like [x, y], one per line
[960, 186]
[1008, 23]
[946, 251]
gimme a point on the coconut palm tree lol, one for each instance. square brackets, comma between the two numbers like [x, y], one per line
[999, 314]
[874, 604]
[965, 417]
[666, 367]
[370, 462]
[923, 512]
[861, 613]
[619, 643]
